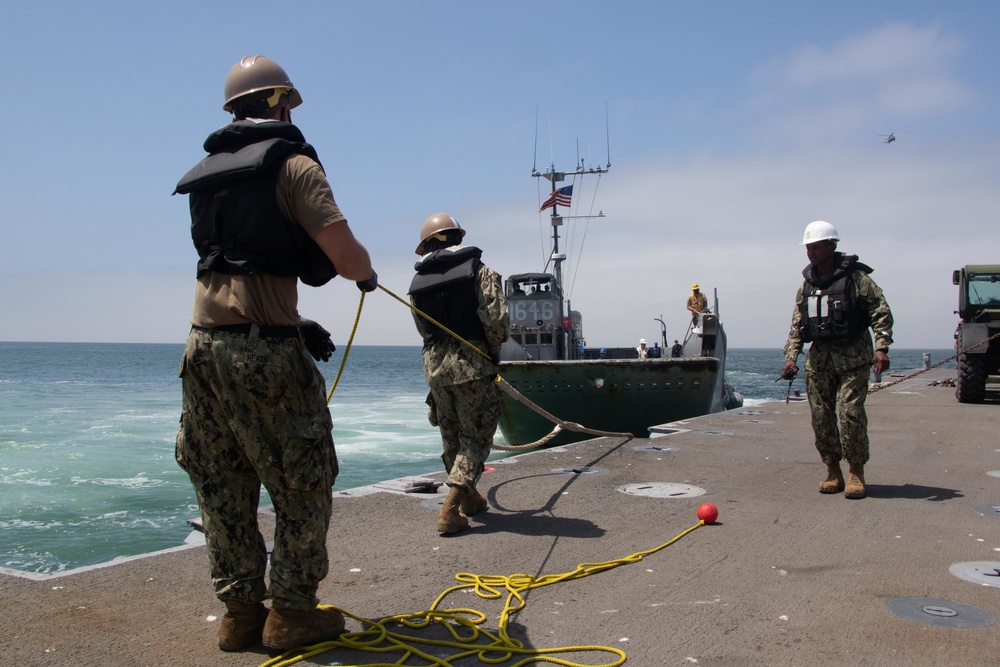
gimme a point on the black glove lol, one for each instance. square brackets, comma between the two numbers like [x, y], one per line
[370, 284]
[317, 340]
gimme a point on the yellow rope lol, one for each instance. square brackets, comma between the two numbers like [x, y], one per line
[560, 425]
[434, 322]
[347, 351]
[463, 624]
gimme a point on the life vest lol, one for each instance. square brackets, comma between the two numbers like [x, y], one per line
[828, 310]
[445, 289]
[236, 223]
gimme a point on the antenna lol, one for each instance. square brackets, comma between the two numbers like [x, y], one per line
[534, 155]
[607, 131]
[556, 257]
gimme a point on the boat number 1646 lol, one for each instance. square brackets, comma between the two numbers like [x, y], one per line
[532, 311]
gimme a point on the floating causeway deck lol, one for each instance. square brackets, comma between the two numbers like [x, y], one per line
[786, 577]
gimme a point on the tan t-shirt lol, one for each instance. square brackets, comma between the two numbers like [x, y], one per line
[304, 195]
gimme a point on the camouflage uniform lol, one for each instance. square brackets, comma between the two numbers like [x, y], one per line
[254, 412]
[837, 374]
[464, 401]
[254, 408]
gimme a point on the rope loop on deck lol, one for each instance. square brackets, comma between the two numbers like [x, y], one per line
[464, 625]
[560, 425]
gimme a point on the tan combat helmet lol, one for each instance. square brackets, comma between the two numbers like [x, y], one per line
[437, 223]
[255, 73]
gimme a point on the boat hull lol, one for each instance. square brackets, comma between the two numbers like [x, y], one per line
[614, 395]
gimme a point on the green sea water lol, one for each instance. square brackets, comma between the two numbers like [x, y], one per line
[87, 470]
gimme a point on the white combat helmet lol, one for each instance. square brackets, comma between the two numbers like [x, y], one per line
[819, 231]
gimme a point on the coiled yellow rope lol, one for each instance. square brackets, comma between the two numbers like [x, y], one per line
[463, 624]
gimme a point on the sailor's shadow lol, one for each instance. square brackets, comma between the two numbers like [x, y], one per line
[541, 520]
[431, 637]
[535, 523]
[912, 492]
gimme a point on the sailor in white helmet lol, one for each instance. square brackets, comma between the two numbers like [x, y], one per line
[836, 306]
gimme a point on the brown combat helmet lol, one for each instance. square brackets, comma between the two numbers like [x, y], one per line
[435, 224]
[255, 73]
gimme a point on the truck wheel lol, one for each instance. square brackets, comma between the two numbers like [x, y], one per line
[971, 387]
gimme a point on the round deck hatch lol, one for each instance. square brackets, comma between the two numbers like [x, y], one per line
[986, 573]
[942, 613]
[661, 490]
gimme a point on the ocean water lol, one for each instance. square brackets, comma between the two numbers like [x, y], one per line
[87, 470]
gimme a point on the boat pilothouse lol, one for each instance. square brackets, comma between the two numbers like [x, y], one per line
[540, 331]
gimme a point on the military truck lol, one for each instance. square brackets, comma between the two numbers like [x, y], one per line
[977, 338]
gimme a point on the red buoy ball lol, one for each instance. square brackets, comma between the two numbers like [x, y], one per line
[708, 513]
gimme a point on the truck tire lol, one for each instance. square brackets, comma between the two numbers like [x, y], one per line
[971, 386]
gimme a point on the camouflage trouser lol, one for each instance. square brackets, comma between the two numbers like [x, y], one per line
[833, 395]
[254, 412]
[467, 415]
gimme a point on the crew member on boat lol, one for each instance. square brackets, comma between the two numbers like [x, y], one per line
[642, 351]
[459, 292]
[697, 303]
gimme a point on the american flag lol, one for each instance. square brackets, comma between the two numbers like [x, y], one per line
[559, 197]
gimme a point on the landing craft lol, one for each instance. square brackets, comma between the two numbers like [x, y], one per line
[596, 390]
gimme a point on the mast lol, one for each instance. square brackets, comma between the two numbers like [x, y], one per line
[556, 257]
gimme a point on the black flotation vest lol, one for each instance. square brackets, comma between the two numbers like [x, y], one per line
[828, 309]
[445, 289]
[236, 223]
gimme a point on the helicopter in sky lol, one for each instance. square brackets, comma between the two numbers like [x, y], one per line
[889, 138]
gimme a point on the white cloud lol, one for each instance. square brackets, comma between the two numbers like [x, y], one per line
[895, 74]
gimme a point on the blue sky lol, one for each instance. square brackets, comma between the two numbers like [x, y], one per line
[732, 126]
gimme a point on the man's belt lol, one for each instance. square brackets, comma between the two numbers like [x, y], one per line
[263, 330]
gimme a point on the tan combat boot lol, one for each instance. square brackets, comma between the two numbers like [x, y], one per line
[450, 518]
[288, 628]
[855, 482]
[834, 482]
[241, 626]
[473, 504]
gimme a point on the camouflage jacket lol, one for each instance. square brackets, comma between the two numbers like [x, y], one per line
[449, 361]
[847, 353]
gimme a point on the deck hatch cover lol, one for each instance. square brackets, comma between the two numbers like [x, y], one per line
[988, 510]
[654, 448]
[939, 612]
[580, 470]
[661, 490]
[986, 573]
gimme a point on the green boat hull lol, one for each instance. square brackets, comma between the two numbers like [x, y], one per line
[613, 395]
